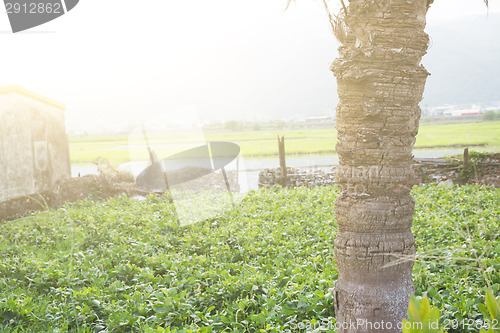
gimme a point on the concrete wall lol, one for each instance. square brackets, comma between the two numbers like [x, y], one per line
[34, 150]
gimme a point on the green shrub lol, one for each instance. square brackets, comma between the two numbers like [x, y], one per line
[491, 312]
[424, 318]
[491, 116]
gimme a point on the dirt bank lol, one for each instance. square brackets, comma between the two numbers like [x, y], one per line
[70, 190]
[481, 169]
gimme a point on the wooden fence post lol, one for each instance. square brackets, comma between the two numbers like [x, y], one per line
[281, 151]
[466, 165]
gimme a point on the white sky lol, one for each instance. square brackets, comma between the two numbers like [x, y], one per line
[109, 59]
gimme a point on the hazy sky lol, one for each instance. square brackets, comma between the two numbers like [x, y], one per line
[120, 60]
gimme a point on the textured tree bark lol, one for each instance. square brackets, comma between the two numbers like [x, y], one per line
[380, 84]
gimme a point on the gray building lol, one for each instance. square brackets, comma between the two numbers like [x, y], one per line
[34, 149]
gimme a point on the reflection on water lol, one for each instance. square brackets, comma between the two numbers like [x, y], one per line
[252, 167]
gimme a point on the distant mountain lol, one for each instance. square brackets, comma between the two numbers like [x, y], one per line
[464, 61]
[282, 74]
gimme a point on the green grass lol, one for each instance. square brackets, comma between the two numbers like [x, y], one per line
[487, 134]
[266, 265]
[263, 143]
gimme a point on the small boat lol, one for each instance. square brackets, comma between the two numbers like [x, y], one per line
[188, 165]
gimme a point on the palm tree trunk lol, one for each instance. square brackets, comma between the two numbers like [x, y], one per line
[380, 84]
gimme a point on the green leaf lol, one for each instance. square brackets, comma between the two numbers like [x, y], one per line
[161, 309]
[414, 310]
[425, 307]
[492, 305]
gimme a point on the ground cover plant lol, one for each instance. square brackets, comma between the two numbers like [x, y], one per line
[263, 143]
[423, 317]
[265, 266]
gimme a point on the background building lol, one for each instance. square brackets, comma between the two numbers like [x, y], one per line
[34, 149]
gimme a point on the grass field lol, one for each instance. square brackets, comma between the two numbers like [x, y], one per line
[264, 266]
[263, 143]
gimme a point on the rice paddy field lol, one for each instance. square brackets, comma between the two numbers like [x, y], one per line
[117, 150]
